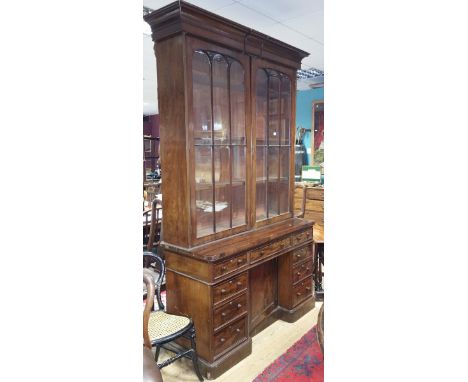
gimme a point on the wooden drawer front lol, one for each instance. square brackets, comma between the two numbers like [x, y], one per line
[302, 237]
[302, 253]
[302, 290]
[302, 270]
[314, 205]
[230, 310]
[268, 250]
[315, 193]
[229, 336]
[230, 265]
[228, 288]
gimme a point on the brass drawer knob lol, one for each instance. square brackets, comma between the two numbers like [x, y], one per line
[223, 290]
[239, 284]
[298, 293]
[238, 330]
[223, 267]
[223, 314]
[239, 306]
[222, 339]
[298, 273]
[240, 261]
[298, 255]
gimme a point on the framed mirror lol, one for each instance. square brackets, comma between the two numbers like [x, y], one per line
[317, 134]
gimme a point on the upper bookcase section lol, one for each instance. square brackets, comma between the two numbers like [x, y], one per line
[182, 17]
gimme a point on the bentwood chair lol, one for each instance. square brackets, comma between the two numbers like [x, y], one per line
[152, 225]
[151, 265]
[161, 328]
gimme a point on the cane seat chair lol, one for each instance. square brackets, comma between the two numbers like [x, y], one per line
[161, 328]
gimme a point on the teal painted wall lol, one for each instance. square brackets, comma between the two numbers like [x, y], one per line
[304, 101]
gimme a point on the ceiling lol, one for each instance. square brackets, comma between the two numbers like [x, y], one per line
[300, 25]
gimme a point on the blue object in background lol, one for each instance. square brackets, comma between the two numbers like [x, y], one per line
[304, 99]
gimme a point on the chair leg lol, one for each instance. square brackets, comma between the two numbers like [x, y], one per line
[156, 355]
[194, 355]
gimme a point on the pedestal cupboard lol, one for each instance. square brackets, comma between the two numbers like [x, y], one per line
[236, 257]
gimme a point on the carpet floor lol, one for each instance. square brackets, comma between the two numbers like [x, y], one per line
[300, 363]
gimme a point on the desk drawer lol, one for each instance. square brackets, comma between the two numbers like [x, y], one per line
[230, 265]
[302, 290]
[302, 270]
[226, 289]
[302, 253]
[229, 336]
[268, 250]
[301, 237]
[230, 310]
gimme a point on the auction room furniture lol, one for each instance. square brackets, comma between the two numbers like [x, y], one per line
[161, 328]
[237, 259]
[152, 225]
[308, 204]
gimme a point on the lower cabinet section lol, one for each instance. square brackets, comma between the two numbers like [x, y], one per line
[231, 299]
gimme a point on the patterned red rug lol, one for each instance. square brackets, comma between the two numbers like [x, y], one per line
[302, 362]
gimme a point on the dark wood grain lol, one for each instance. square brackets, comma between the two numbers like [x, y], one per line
[236, 281]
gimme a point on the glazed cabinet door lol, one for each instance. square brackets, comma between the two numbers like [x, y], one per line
[273, 137]
[217, 84]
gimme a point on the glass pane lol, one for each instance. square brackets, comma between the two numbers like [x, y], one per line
[285, 109]
[261, 163]
[238, 186]
[273, 110]
[273, 163]
[203, 191]
[284, 180]
[201, 98]
[261, 199]
[261, 105]
[237, 103]
[273, 174]
[220, 100]
[222, 188]
[272, 198]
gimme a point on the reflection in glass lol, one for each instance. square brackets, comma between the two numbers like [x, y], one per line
[238, 185]
[284, 180]
[273, 110]
[204, 190]
[220, 163]
[201, 93]
[273, 173]
[237, 103]
[285, 109]
[261, 106]
[220, 100]
[261, 200]
[273, 116]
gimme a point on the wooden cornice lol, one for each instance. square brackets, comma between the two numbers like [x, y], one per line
[182, 17]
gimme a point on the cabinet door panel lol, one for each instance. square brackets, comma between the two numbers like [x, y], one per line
[204, 190]
[273, 110]
[222, 187]
[285, 110]
[238, 185]
[220, 100]
[201, 93]
[261, 107]
[237, 95]
[284, 180]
